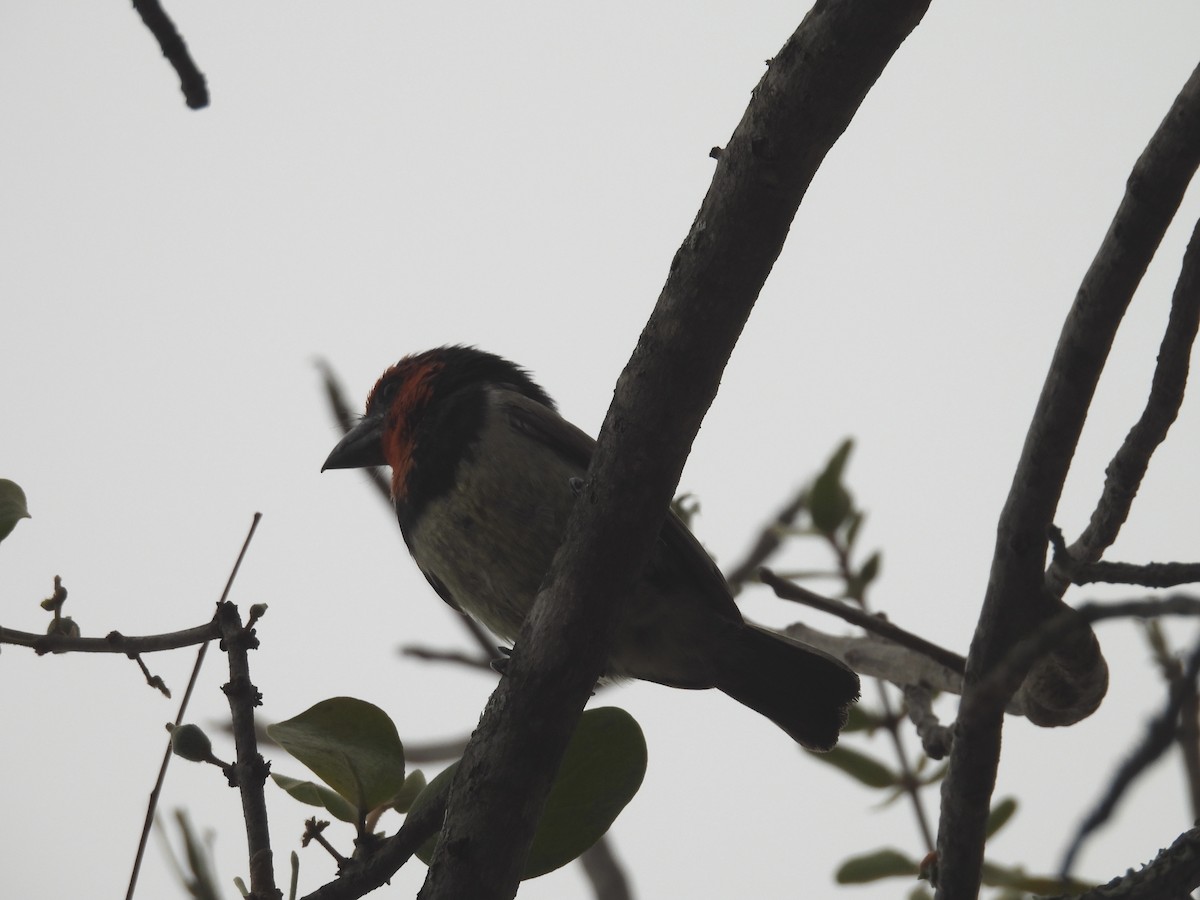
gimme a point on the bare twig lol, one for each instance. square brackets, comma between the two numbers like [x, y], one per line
[788, 590]
[452, 656]
[191, 80]
[1124, 474]
[359, 877]
[936, 738]
[769, 540]
[183, 705]
[605, 872]
[1016, 600]
[114, 642]
[435, 751]
[1150, 575]
[1160, 734]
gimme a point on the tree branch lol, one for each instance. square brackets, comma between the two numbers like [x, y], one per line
[605, 872]
[191, 80]
[1172, 875]
[152, 804]
[802, 104]
[788, 590]
[1124, 474]
[250, 769]
[113, 642]
[1016, 600]
[769, 540]
[360, 878]
[1159, 735]
[1150, 575]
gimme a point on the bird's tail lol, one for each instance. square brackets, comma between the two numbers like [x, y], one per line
[805, 692]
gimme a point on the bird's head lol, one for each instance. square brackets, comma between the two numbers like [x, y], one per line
[428, 406]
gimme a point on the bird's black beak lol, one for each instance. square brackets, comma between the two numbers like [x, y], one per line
[361, 447]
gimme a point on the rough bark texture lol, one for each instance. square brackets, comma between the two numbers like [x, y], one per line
[800, 107]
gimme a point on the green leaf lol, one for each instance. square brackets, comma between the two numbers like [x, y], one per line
[600, 773]
[349, 744]
[190, 742]
[1000, 814]
[859, 766]
[862, 718]
[412, 787]
[995, 875]
[870, 569]
[13, 507]
[829, 502]
[885, 863]
[318, 795]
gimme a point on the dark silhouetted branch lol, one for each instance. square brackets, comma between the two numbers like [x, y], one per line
[802, 104]
[1016, 600]
[191, 79]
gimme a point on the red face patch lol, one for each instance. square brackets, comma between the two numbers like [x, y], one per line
[406, 388]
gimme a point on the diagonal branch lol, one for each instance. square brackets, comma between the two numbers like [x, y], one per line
[1016, 600]
[1159, 736]
[1124, 474]
[191, 79]
[787, 590]
[802, 104]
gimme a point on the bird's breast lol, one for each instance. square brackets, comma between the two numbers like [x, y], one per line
[491, 537]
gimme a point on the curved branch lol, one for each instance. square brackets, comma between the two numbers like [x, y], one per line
[1016, 600]
[803, 103]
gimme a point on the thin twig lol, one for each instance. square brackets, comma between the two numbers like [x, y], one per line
[769, 540]
[191, 79]
[1124, 474]
[605, 872]
[788, 590]
[360, 877]
[936, 738]
[1149, 575]
[114, 642]
[452, 656]
[435, 751]
[183, 705]
[1159, 735]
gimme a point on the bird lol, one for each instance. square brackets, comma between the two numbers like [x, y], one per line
[484, 475]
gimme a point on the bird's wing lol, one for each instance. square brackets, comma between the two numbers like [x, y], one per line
[442, 591]
[544, 425]
[679, 560]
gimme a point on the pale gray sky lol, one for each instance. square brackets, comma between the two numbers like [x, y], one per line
[380, 178]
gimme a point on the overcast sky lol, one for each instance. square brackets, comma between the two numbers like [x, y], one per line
[378, 178]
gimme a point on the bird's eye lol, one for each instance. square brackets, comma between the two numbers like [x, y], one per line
[381, 398]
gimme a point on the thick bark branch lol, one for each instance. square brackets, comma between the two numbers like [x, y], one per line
[1017, 599]
[800, 107]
